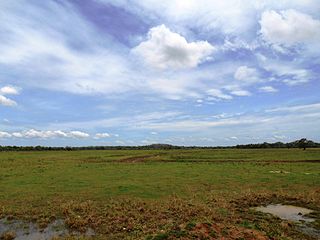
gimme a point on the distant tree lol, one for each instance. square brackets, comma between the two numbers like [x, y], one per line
[302, 143]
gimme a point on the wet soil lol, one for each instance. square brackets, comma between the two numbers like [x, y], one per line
[20, 230]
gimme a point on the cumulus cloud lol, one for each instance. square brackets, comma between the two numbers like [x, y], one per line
[289, 27]
[78, 134]
[9, 90]
[32, 133]
[246, 75]
[237, 90]
[241, 93]
[268, 89]
[102, 135]
[218, 94]
[166, 49]
[7, 102]
[5, 135]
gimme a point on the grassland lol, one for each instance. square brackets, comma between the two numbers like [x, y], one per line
[161, 194]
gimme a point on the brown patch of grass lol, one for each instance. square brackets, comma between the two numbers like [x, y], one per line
[209, 217]
[139, 159]
[8, 236]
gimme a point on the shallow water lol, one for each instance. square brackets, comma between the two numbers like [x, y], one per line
[30, 231]
[295, 214]
[287, 212]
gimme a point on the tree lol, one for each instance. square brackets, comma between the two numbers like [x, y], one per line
[302, 143]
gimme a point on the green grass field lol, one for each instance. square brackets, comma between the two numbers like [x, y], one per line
[161, 194]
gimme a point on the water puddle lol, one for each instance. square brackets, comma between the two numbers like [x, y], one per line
[287, 212]
[30, 231]
[279, 171]
[294, 214]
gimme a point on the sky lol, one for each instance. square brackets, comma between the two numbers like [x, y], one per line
[137, 72]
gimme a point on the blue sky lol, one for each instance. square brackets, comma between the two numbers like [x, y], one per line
[193, 72]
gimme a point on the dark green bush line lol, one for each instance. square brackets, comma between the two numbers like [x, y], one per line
[302, 143]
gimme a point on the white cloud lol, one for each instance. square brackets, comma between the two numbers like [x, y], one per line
[241, 93]
[5, 135]
[32, 133]
[7, 102]
[174, 87]
[166, 49]
[17, 134]
[268, 89]
[230, 17]
[102, 135]
[298, 108]
[236, 90]
[120, 142]
[287, 71]
[236, 44]
[100, 66]
[246, 75]
[78, 134]
[289, 27]
[9, 90]
[39, 51]
[294, 76]
[132, 120]
[218, 94]
[295, 81]
[285, 118]
[279, 137]
[197, 125]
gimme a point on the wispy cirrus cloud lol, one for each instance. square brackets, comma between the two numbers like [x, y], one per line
[151, 64]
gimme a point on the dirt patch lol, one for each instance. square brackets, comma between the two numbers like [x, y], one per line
[210, 231]
[139, 159]
[223, 231]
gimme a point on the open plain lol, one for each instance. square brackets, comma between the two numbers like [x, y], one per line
[161, 194]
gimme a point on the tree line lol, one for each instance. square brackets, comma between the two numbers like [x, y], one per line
[302, 143]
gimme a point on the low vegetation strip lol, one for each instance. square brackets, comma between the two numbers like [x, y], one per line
[146, 159]
[302, 143]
